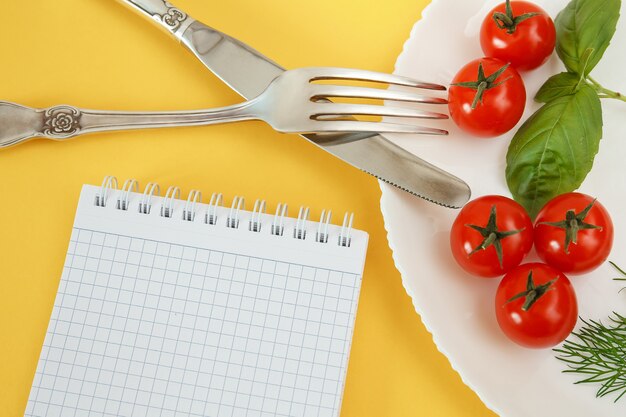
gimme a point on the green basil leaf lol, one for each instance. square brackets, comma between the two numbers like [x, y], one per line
[558, 85]
[582, 25]
[553, 150]
[585, 60]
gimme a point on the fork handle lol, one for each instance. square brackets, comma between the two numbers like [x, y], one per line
[164, 14]
[19, 123]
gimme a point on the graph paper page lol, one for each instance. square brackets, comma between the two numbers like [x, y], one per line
[160, 316]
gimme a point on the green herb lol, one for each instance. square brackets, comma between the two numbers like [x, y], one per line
[621, 271]
[553, 151]
[558, 85]
[598, 352]
[582, 25]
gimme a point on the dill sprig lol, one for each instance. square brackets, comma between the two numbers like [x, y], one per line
[621, 271]
[598, 353]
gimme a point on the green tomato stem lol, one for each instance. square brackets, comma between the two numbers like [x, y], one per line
[605, 92]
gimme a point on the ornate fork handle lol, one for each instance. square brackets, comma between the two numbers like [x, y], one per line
[19, 123]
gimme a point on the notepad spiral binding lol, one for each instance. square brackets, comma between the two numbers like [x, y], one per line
[209, 217]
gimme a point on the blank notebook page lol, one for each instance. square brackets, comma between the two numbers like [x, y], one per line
[158, 316]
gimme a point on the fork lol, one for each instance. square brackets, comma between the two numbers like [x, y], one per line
[292, 103]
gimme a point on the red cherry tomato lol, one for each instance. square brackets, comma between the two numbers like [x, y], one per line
[486, 97]
[524, 39]
[573, 233]
[536, 305]
[488, 226]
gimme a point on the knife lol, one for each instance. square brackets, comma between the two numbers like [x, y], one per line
[248, 72]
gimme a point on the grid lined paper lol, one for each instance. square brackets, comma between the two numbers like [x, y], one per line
[144, 327]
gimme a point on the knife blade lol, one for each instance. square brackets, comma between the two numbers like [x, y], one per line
[248, 72]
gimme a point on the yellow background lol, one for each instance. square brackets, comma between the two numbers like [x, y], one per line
[97, 54]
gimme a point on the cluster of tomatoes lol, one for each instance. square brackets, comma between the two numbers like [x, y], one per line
[487, 96]
[535, 303]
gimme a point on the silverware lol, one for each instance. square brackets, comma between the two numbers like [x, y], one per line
[290, 104]
[248, 72]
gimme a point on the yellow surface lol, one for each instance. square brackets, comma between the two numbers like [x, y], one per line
[97, 54]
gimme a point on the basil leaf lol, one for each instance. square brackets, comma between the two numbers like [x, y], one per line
[558, 85]
[585, 60]
[582, 25]
[553, 150]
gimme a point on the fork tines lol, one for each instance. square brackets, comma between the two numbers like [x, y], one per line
[338, 113]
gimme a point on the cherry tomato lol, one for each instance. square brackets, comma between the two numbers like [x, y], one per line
[522, 34]
[573, 233]
[487, 97]
[491, 235]
[536, 305]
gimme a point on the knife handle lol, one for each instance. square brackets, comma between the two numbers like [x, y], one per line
[164, 14]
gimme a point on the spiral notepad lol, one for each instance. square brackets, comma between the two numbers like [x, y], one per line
[169, 307]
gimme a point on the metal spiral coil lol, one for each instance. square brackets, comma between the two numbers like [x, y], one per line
[123, 196]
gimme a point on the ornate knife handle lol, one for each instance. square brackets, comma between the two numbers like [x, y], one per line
[166, 15]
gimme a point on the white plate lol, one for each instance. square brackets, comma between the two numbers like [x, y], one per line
[458, 308]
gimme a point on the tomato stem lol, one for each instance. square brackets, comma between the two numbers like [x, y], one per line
[507, 21]
[533, 292]
[605, 92]
[490, 239]
[479, 94]
[531, 297]
[573, 223]
[492, 236]
[483, 83]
